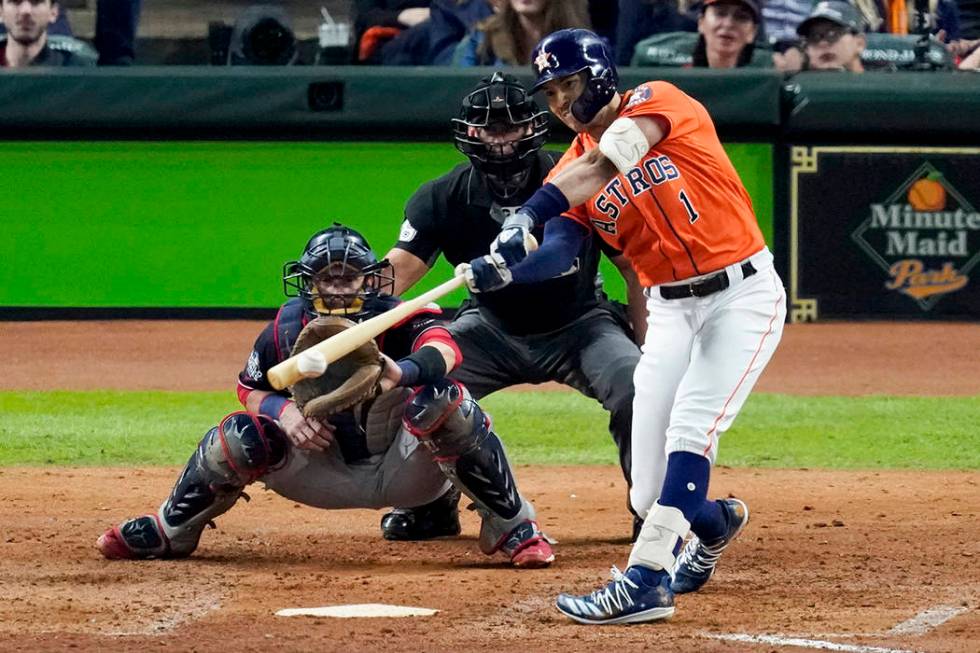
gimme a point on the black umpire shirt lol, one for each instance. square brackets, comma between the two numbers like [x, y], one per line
[458, 216]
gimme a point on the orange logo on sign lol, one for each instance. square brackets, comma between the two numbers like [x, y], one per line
[910, 277]
[928, 193]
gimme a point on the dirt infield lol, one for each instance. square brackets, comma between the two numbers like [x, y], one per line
[864, 561]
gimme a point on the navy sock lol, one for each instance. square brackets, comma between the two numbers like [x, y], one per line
[685, 470]
[645, 575]
[686, 483]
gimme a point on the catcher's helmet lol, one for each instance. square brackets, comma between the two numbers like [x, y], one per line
[337, 256]
[499, 104]
[570, 51]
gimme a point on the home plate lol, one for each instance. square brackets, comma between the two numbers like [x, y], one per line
[361, 610]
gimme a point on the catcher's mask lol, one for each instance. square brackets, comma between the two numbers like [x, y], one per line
[337, 273]
[500, 128]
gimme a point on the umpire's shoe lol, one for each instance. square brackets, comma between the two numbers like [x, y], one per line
[437, 519]
[697, 561]
[639, 595]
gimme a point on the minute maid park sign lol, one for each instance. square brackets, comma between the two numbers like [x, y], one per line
[925, 236]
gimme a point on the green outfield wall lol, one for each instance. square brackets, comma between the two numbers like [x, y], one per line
[186, 188]
[119, 224]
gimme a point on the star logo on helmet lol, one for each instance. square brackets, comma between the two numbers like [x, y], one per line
[544, 61]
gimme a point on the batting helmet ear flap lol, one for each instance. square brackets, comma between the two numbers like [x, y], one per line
[599, 91]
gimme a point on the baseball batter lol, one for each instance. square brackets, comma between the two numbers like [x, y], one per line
[366, 456]
[648, 173]
[561, 329]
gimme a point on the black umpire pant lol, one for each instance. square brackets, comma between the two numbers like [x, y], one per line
[592, 354]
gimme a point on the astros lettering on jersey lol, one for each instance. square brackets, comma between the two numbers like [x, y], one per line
[682, 211]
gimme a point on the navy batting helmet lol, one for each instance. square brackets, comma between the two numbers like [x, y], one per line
[337, 257]
[570, 51]
[500, 128]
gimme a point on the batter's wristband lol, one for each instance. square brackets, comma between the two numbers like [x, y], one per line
[426, 365]
[273, 405]
[547, 202]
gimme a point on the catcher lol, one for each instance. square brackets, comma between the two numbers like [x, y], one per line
[349, 435]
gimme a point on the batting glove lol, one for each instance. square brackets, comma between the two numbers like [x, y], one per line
[514, 241]
[485, 274]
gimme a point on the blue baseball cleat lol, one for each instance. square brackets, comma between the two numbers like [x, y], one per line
[697, 561]
[639, 595]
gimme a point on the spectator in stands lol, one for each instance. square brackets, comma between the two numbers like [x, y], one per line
[450, 21]
[728, 30]
[27, 42]
[780, 18]
[115, 31]
[602, 14]
[834, 38]
[901, 17]
[969, 18]
[507, 37]
[968, 52]
[640, 19]
[377, 22]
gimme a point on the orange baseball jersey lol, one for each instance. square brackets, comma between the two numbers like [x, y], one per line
[682, 211]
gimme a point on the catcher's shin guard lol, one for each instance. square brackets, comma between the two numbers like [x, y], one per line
[240, 449]
[452, 425]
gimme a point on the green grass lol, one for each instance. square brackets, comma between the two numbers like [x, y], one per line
[161, 428]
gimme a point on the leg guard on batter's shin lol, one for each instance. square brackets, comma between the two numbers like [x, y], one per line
[457, 432]
[240, 449]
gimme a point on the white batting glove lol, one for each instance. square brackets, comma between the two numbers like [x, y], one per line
[311, 363]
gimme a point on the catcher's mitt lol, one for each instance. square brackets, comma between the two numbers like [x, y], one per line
[347, 381]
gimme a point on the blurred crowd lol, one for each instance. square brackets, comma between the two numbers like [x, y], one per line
[788, 35]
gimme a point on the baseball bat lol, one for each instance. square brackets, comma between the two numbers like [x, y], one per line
[336, 347]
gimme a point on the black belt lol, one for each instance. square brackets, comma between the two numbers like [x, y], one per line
[707, 286]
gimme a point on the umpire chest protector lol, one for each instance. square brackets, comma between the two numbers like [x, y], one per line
[453, 216]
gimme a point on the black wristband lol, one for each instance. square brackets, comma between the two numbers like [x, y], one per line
[430, 363]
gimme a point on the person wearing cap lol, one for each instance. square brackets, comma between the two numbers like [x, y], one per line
[833, 37]
[728, 29]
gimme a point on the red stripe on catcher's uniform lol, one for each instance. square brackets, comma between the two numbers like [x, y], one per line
[724, 409]
[243, 392]
[275, 335]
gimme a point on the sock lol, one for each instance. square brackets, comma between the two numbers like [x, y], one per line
[686, 488]
[645, 576]
[686, 483]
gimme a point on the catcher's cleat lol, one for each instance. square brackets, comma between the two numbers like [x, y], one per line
[697, 561]
[527, 547]
[639, 595]
[135, 539]
[437, 519]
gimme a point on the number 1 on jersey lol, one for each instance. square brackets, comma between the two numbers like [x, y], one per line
[692, 214]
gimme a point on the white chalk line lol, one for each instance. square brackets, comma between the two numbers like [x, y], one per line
[926, 620]
[920, 624]
[777, 640]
